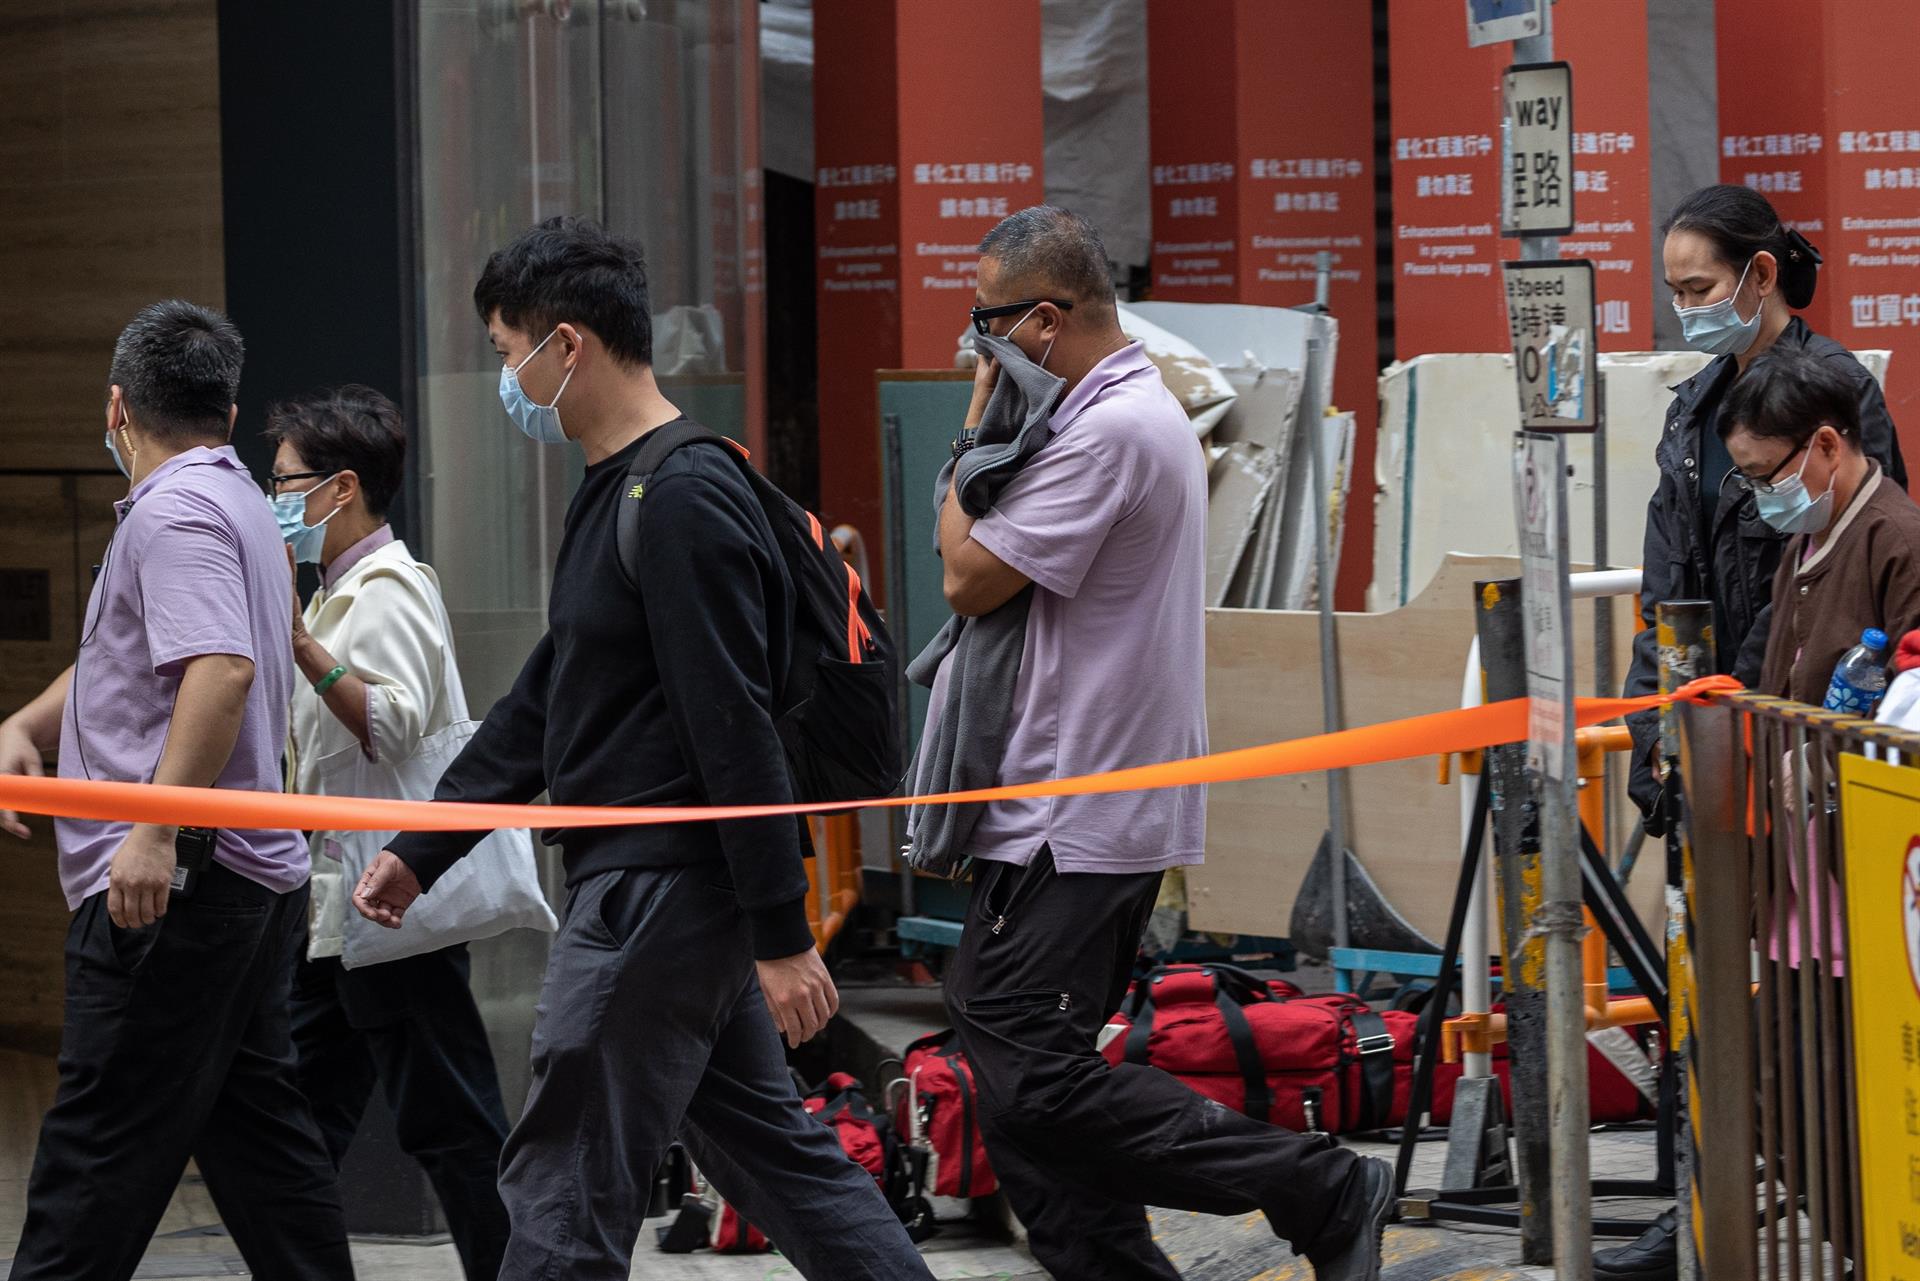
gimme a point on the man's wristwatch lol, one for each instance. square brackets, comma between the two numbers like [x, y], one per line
[963, 442]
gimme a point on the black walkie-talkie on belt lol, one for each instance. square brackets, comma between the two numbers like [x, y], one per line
[192, 853]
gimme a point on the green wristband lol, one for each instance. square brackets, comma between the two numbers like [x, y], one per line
[325, 683]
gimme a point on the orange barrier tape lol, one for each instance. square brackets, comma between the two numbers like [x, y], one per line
[1463, 729]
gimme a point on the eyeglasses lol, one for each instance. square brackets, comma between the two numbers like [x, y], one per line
[981, 315]
[1766, 486]
[277, 479]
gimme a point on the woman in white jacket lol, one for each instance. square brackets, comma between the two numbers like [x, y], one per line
[376, 653]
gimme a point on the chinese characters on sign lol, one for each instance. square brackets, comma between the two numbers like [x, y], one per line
[1610, 173]
[974, 194]
[1775, 149]
[1447, 242]
[1280, 250]
[855, 257]
[1261, 160]
[1876, 176]
[1550, 317]
[1536, 150]
[1837, 152]
[1446, 247]
[1194, 219]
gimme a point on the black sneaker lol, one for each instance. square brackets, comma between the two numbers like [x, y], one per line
[1652, 1256]
[1359, 1258]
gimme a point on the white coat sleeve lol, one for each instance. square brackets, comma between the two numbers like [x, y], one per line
[395, 645]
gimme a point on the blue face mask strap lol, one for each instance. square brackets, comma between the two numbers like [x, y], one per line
[535, 352]
[513, 372]
[1733, 299]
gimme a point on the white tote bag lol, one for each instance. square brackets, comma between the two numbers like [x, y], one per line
[494, 889]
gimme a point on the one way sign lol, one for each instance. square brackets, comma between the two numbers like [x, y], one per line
[1536, 147]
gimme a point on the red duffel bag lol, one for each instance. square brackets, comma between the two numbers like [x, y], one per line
[1257, 1046]
[865, 1135]
[941, 1109]
[1308, 1063]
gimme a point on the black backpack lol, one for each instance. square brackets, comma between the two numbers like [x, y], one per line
[835, 708]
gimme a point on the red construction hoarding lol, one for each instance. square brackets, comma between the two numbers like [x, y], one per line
[1446, 176]
[927, 131]
[1255, 173]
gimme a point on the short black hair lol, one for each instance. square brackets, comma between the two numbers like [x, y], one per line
[1787, 395]
[177, 365]
[1739, 222]
[572, 270]
[1048, 250]
[351, 428]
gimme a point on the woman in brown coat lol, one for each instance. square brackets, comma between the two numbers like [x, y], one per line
[1851, 562]
[1792, 427]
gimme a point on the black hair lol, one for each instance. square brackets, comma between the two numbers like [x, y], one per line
[1787, 395]
[1739, 222]
[177, 365]
[350, 428]
[572, 270]
[1048, 250]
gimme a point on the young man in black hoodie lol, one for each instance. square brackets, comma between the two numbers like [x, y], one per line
[685, 951]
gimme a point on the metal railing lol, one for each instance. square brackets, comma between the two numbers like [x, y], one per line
[1762, 1014]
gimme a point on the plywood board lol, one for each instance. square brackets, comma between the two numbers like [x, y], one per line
[1263, 684]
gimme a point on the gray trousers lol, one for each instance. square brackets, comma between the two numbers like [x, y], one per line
[651, 1026]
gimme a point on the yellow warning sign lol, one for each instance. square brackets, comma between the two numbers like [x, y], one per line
[1881, 807]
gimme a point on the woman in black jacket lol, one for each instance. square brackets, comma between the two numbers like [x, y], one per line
[1737, 273]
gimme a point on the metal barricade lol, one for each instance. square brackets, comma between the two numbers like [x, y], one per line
[1769, 1089]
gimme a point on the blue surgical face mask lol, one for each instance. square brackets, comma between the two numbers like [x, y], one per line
[1790, 510]
[113, 447]
[541, 422]
[1717, 328]
[290, 510]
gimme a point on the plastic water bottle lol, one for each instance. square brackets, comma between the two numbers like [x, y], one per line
[1861, 677]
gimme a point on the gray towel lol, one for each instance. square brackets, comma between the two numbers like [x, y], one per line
[983, 654]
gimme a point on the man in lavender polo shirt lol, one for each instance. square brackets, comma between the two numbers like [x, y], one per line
[176, 1042]
[1107, 523]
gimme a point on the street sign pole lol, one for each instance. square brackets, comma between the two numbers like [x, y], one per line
[1537, 142]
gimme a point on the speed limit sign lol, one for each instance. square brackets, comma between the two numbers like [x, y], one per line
[1550, 317]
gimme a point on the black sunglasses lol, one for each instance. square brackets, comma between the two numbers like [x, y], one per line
[981, 315]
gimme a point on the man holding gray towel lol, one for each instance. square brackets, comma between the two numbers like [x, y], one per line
[1090, 526]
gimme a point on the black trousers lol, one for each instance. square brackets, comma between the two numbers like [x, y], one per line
[412, 1026]
[652, 1026]
[176, 1045]
[1081, 1147]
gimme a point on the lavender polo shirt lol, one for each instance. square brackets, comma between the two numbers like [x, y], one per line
[196, 567]
[1109, 520]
